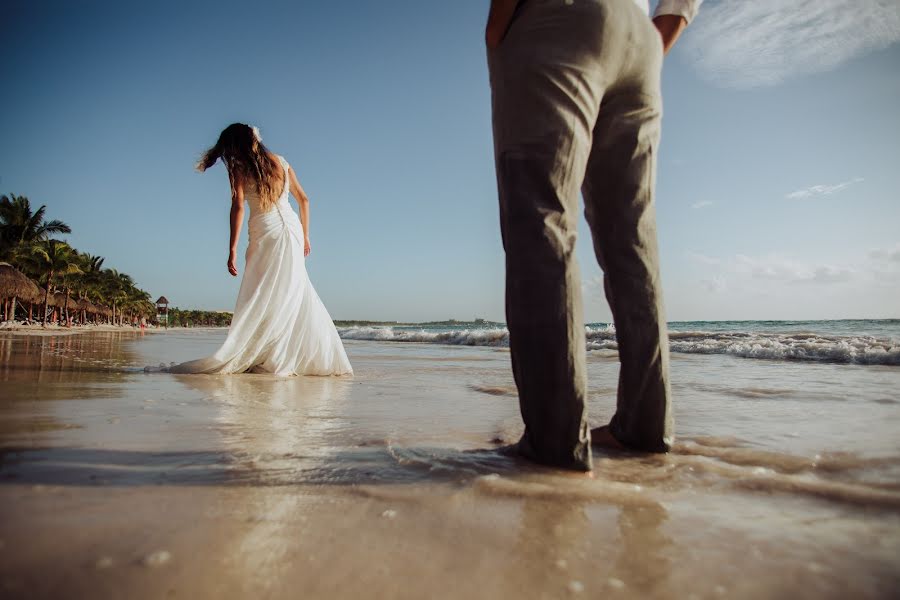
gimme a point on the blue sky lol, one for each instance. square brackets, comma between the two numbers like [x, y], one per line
[777, 191]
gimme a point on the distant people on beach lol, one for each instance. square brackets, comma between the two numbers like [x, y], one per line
[577, 107]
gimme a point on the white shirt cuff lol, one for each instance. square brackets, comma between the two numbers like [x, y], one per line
[684, 8]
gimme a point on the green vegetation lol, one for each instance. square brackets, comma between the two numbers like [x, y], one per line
[74, 286]
[340, 323]
[198, 318]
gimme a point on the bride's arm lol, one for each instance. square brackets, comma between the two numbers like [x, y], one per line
[303, 202]
[237, 219]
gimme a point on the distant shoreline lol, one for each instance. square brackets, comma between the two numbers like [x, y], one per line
[37, 331]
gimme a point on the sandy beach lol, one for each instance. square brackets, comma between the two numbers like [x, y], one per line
[119, 483]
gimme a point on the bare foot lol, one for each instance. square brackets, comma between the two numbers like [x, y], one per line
[516, 451]
[602, 438]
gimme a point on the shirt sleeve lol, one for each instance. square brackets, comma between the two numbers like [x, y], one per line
[684, 8]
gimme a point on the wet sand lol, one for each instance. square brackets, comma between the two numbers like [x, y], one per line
[117, 483]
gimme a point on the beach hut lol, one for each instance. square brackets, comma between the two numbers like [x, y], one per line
[162, 311]
[14, 285]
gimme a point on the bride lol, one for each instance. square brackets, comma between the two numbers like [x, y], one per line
[280, 325]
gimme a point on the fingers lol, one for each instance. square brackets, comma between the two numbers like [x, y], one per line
[670, 28]
[500, 15]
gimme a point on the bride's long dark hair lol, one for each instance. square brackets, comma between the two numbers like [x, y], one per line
[246, 159]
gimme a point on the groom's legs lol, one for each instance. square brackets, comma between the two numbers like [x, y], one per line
[546, 87]
[618, 191]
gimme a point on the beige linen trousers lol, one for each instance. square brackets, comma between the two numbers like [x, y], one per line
[576, 103]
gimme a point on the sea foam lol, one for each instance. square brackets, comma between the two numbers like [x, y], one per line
[804, 347]
[498, 337]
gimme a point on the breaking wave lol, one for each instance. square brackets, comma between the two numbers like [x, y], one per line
[497, 337]
[803, 347]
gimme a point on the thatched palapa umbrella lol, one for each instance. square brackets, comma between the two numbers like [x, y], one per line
[14, 284]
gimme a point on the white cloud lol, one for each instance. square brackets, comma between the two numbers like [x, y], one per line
[714, 285]
[770, 267]
[830, 274]
[822, 190]
[703, 259]
[751, 43]
[886, 254]
[773, 268]
[701, 204]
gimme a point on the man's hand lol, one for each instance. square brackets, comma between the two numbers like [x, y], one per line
[498, 21]
[670, 27]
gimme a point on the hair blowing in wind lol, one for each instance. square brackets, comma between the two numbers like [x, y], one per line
[246, 159]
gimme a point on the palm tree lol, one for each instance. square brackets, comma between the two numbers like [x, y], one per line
[19, 225]
[117, 288]
[137, 304]
[88, 284]
[53, 257]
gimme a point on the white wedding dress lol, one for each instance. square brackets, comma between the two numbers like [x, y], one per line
[280, 325]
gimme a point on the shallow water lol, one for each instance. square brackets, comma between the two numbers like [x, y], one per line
[785, 479]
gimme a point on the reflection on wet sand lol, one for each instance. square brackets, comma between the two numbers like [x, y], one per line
[276, 430]
[37, 370]
[64, 358]
[645, 557]
[634, 555]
